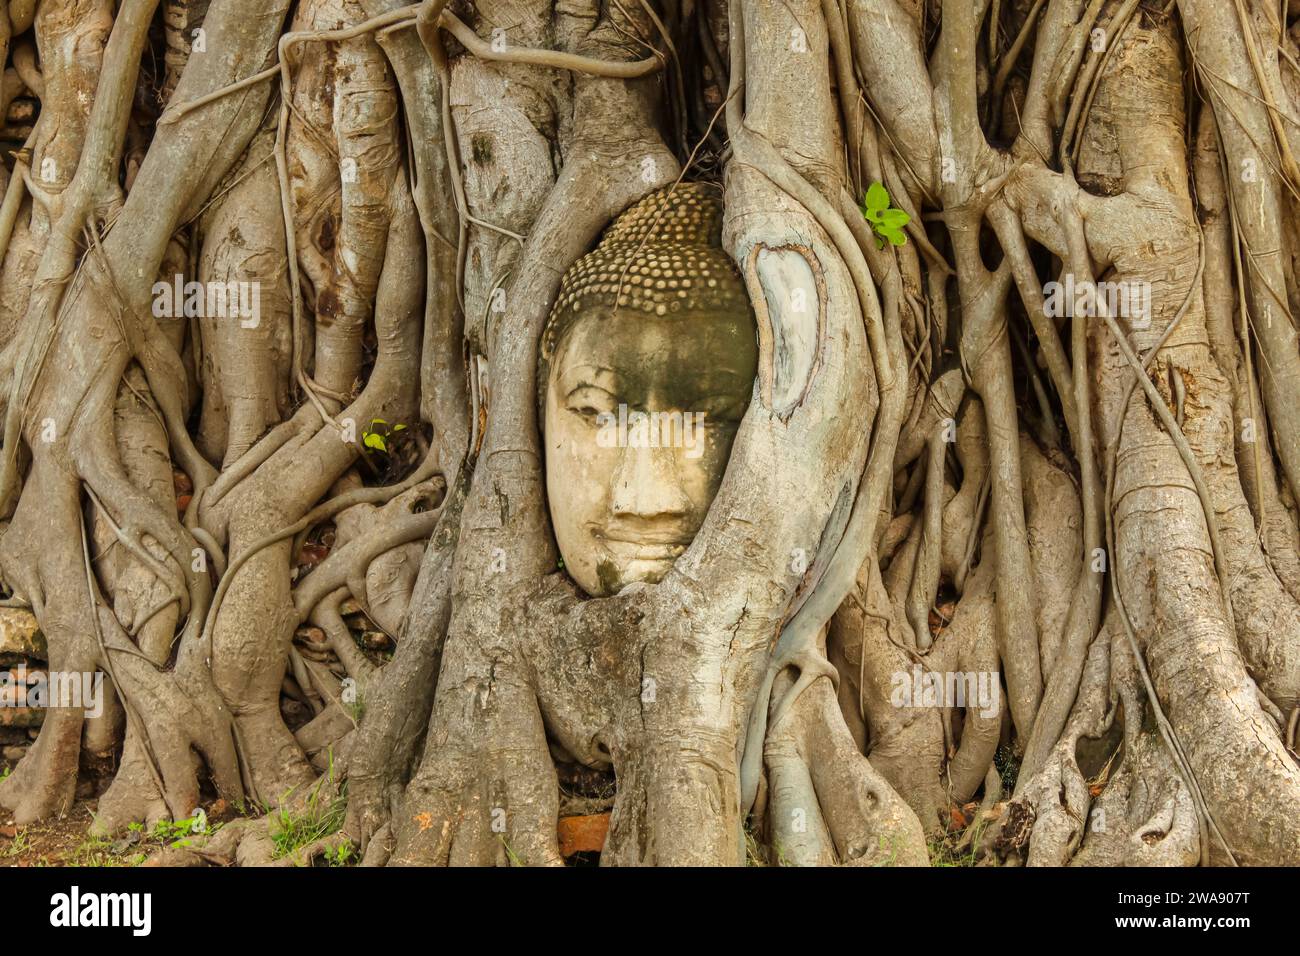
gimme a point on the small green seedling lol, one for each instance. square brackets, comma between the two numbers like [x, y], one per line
[887, 222]
[340, 856]
[379, 433]
[177, 833]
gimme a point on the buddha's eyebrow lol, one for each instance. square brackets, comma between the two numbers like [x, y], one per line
[588, 373]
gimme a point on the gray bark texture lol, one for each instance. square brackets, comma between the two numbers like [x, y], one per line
[312, 546]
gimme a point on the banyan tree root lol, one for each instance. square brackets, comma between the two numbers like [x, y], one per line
[1001, 521]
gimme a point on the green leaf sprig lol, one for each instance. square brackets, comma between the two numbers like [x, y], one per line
[378, 434]
[887, 221]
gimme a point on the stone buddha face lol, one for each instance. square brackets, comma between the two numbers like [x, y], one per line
[644, 390]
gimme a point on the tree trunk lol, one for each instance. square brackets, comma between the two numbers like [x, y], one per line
[992, 551]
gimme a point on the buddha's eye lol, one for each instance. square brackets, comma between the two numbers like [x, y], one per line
[590, 401]
[725, 410]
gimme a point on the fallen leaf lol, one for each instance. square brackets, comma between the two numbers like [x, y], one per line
[313, 554]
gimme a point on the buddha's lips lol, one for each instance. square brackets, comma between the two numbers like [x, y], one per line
[658, 552]
[648, 547]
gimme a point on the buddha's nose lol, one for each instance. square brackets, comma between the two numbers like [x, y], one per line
[647, 485]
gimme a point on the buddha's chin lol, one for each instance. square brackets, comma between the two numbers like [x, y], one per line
[624, 561]
[614, 575]
[646, 570]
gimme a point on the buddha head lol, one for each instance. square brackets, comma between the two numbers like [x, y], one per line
[647, 366]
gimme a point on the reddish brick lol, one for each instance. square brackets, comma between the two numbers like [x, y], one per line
[585, 834]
